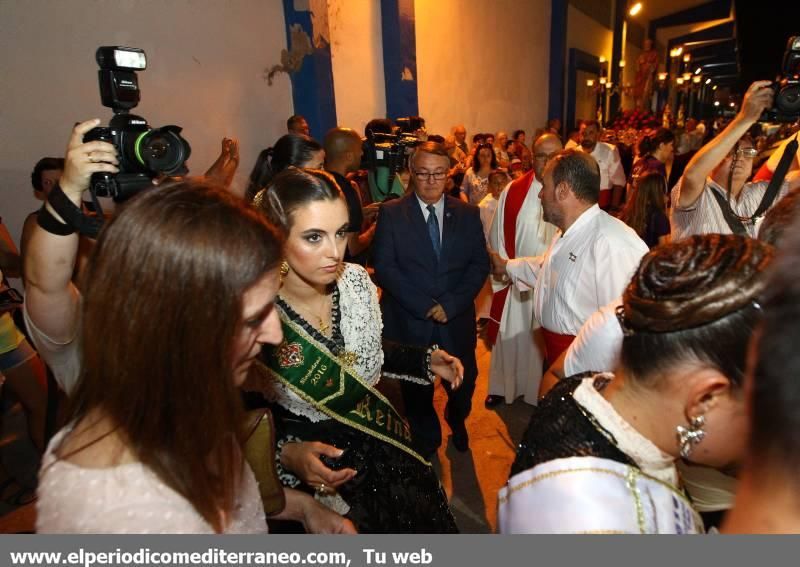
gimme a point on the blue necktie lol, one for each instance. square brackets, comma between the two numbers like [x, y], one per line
[433, 231]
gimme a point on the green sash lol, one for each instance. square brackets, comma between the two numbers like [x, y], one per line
[331, 385]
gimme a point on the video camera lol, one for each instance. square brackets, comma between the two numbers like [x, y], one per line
[786, 107]
[143, 152]
[391, 151]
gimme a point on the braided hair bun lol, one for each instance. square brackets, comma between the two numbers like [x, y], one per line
[694, 282]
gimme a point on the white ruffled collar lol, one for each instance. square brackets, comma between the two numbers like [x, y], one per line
[644, 452]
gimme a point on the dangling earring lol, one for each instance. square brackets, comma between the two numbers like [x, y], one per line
[688, 438]
[284, 269]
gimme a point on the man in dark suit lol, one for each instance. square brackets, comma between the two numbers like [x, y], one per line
[431, 261]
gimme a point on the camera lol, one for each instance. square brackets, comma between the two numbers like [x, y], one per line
[144, 153]
[786, 106]
[389, 152]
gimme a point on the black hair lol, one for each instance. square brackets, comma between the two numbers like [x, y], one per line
[476, 164]
[694, 300]
[44, 164]
[293, 188]
[650, 143]
[517, 134]
[580, 171]
[379, 126]
[290, 149]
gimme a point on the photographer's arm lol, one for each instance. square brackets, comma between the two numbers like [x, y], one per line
[757, 99]
[51, 298]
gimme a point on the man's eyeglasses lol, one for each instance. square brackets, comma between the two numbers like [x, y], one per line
[425, 176]
[746, 153]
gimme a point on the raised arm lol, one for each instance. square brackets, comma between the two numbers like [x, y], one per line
[51, 298]
[756, 100]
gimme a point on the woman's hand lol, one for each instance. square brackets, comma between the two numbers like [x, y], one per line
[316, 518]
[319, 519]
[84, 159]
[448, 367]
[303, 459]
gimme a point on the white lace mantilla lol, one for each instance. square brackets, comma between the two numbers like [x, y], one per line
[361, 326]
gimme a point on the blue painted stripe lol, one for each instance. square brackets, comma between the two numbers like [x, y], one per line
[312, 86]
[398, 28]
[558, 53]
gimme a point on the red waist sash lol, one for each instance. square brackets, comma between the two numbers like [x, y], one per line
[555, 344]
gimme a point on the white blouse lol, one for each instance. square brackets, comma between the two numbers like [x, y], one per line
[128, 498]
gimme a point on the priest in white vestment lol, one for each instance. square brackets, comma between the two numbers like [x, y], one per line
[518, 353]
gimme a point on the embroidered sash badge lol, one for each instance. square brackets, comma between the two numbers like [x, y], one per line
[290, 355]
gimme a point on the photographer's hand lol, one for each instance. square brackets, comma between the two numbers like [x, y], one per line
[83, 159]
[757, 99]
[50, 297]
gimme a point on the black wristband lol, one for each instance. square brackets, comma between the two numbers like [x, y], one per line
[51, 224]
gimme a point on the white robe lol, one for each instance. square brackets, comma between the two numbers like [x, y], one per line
[483, 303]
[518, 354]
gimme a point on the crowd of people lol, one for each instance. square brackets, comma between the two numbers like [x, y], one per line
[240, 361]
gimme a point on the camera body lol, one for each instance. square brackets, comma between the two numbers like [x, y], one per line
[144, 153]
[786, 106]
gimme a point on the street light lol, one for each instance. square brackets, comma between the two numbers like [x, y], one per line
[708, 81]
[635, 9]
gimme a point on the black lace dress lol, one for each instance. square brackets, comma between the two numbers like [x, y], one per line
[393, 492]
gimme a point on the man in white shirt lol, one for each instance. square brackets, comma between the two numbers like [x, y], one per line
[612, 175]
[518, 229]
[589, 261]
[713, 195]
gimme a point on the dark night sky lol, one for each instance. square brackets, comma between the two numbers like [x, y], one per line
[763, 27]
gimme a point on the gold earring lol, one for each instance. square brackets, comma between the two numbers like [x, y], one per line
[284, 269]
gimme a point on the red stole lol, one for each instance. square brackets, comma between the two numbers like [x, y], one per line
[514, 200]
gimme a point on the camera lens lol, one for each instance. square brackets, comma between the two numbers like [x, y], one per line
[788, 99]
[162, 150]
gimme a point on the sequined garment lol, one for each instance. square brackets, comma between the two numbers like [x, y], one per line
[560, 428]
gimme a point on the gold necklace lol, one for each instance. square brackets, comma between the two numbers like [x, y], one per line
[322, 325]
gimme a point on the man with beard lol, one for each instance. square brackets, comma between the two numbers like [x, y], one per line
[612, 175]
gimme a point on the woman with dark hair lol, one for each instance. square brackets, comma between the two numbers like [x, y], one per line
[655, 150]
[476, 179]
[599, 454]
[290, 150]
[153, 365]
[338, 435]
[767, 495]
[646, 209]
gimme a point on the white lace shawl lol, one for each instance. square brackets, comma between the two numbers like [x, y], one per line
[361, 326]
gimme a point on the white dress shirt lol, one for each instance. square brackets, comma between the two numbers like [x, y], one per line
[611, 171]
[585, 268]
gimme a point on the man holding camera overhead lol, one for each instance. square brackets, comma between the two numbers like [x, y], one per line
[713, 195]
